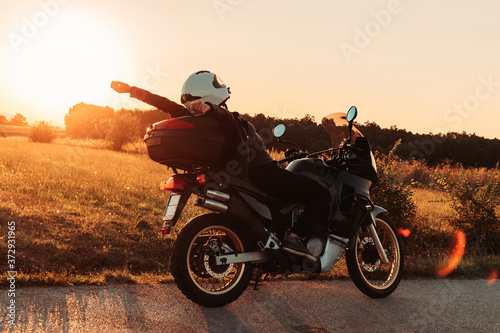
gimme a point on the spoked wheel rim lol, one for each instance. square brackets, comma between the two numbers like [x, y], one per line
[375, 273]
[208, 277]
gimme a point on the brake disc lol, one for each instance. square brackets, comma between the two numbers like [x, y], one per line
[214, 247]
[368, 256]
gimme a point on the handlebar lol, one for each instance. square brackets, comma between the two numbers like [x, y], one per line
[293, 157]
[298, 155]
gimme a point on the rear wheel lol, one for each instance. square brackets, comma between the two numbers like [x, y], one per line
[374, 278]
[193, 263]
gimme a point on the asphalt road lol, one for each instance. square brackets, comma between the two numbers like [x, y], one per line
[277, 306]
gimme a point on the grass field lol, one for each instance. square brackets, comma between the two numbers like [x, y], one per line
[82, 211]
[12, 130]
[85, 215]
[22, 131]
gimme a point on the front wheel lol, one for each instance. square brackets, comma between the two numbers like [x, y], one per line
[193, 264]
[374, 278]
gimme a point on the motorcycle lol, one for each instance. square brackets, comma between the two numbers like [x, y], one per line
[216, 254]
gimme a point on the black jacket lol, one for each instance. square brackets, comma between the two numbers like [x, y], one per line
[237, 132]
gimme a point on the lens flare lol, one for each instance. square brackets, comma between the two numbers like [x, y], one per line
[456, 254]
[492, 278]
[404, 232]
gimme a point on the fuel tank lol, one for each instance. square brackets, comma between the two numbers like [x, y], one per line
[332, 178]
[314, 168]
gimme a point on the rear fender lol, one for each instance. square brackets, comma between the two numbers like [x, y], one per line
[168, 220]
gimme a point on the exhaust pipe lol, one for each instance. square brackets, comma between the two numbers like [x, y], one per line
[211, 205]
[215, 205]
[217, 195]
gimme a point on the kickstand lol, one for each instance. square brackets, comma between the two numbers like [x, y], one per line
[257, 281]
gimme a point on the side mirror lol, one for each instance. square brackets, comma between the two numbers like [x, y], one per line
[279, 130]
[352, 114]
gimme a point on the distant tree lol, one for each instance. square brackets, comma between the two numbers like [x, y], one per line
[3, 120]
[305, 132]
[87, 120]
[18, 120]
[42, 132]
[124, 128]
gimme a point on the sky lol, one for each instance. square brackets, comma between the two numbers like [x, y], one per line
[425, 66]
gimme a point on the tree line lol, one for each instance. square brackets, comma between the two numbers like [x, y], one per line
[17, 120]
[466, 149]
[92, 121]
[463, 148]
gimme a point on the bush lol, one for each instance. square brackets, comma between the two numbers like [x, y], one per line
[124, 128]
[42, 131]
[87, 120]
[391, 193]
[475, 202]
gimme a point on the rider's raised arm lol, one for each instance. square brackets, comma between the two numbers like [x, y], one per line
[162, 103]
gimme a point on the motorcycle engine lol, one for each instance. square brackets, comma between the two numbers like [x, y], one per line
[316, 246]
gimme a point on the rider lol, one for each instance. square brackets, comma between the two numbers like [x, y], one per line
[204, 93]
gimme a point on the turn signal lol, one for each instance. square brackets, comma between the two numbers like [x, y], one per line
[201, 179]
[174, 184]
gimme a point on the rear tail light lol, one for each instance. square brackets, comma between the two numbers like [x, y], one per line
[173, 123]
[174, 184]
[201, 179]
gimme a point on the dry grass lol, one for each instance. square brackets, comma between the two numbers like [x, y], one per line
[137, 147]
[87, 215]
[12, 130]
[81, 211]
[433, 207]
[430, 245]
[421, 175]
[23, 131]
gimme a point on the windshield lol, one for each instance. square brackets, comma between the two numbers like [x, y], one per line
[337, 127]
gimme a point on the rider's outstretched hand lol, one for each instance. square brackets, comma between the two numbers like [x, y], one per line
[199, 108]
[120, 87]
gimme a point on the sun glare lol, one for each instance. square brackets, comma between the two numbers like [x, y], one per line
[456, 253]
[70, 61]
[492, 278]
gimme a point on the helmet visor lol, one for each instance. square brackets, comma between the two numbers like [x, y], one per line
[188, 98]
[218, 83]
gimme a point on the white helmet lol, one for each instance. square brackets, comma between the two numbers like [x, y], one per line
[206, 87]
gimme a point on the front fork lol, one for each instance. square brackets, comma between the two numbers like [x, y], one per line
[373, 232]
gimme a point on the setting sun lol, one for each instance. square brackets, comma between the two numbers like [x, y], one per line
[71, 61]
